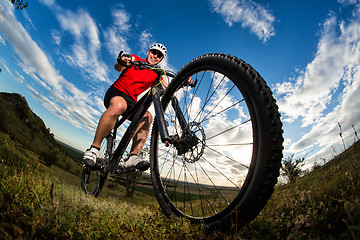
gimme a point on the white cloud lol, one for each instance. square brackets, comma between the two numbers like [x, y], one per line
[121, 20]
[349, 2]
[85, 50]
[145, 41]
[56, 37]
[327, 91]
[249, 13]
[2, 41]
[48, 3]
[116, 35]
[33, 58]
[27, 17]
[62, 98]
[7, 7]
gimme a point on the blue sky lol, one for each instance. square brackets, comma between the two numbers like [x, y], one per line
[60, 56]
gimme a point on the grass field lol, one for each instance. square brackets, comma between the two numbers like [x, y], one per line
[38, 202]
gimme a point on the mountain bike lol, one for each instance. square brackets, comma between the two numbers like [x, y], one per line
[216, 146]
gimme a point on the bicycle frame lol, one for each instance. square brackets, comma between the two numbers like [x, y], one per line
[138, 111]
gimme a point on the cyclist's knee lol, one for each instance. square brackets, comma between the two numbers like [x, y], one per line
[148, 117]
[117, 106]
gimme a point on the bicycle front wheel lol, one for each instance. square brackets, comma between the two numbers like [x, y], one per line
[229, 173]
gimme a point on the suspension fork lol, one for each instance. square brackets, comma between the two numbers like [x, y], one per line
[160, 116]
[179, 114]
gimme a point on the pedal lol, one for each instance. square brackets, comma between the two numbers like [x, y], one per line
[122, 170]
[129, 169]
[96, 167]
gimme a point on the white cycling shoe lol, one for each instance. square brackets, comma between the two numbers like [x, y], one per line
[90, 157]
[136, 162]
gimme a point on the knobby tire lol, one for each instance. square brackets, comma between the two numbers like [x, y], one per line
[229, 176]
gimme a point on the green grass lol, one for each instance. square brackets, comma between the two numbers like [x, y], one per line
[35, 203]
[324, 204]
[39, 202]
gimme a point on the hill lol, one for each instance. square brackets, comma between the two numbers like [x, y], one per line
[22, 125]
[42, 201]
[26, 128]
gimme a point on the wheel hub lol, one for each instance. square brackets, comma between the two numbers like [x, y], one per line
[191, 145]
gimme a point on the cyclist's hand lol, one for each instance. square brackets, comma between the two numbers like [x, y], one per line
[189, 81]
[125, 60]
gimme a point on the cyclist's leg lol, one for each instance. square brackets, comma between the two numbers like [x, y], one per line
[141, 134]
[108, 119]
[117, 106]
[138, 143]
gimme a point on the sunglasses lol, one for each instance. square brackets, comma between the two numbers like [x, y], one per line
[156, 53]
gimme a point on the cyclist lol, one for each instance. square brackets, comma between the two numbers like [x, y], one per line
[122, 95]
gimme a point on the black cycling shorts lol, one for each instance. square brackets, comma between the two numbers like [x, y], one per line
[114, 92]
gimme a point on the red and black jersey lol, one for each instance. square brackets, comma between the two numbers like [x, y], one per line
[133, 81]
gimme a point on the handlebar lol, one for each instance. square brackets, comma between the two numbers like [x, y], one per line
[145, 65]
[156, 69]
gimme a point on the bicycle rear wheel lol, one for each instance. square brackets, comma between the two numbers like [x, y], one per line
[229, 174]
[93, 179]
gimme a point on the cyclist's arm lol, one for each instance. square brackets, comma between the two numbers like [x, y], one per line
[164, 84]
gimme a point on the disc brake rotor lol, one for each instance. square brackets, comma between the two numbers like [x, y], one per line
[195, 152]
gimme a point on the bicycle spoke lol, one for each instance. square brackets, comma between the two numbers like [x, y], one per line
[224, 110]
[222, 172]
[229, 144]
[216, 135]
[213, 183]
[200, 190]
[189, 106]
[231, 159]
[217, 104]
[207, 100]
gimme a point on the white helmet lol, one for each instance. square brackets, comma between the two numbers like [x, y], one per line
[160, 47]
